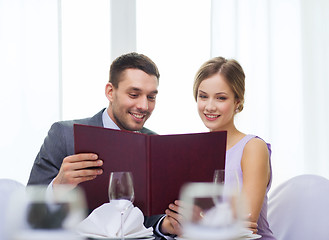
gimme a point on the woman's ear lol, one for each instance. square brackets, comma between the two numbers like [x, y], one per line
[237, 105]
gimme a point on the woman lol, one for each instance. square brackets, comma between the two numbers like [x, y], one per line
[219, 88]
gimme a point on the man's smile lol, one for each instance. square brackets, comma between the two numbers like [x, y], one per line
[138, 116]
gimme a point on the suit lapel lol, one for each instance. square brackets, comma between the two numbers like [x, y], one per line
[97, 120]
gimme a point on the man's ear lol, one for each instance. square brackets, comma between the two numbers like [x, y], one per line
[109, 91]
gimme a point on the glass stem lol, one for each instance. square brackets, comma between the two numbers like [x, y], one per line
[122, 235]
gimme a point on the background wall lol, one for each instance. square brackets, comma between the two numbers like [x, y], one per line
[55, 57]
[30, 98]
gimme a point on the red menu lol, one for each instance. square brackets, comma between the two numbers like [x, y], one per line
[160, 164]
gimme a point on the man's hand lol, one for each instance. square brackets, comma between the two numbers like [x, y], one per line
[79, 168]
[171, 223]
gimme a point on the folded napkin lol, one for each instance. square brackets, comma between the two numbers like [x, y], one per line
[105, 221]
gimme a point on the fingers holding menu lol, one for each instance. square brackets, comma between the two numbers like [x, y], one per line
[79, 168]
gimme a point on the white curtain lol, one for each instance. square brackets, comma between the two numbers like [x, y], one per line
[54, 63]
[176, 36]
[86, 56]
[283, 48]
[29, 76]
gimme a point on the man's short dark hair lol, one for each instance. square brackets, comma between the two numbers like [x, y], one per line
[131, 61]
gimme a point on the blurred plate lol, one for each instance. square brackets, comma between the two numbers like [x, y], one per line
[247, 236]
[141, 238]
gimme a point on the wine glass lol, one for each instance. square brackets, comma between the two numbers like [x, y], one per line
[38, 213]
[209, 212]
[232, 188]
[121, 187]
[228, 178]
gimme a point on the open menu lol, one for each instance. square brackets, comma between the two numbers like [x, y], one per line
[160, 164]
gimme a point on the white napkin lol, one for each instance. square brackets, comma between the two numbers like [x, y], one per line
[193, 232]
[221, 215]
[218, 223]
[105, 221]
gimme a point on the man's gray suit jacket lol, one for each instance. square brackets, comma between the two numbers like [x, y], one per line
[59, 144]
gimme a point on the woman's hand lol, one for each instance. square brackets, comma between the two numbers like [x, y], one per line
[251, 225]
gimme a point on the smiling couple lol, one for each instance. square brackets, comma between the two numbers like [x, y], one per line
[131, 91]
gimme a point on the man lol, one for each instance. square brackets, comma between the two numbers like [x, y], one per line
[131, 91]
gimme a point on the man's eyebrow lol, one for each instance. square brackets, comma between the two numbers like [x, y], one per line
[136, 89]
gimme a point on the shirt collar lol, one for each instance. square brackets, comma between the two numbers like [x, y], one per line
[108, 122]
